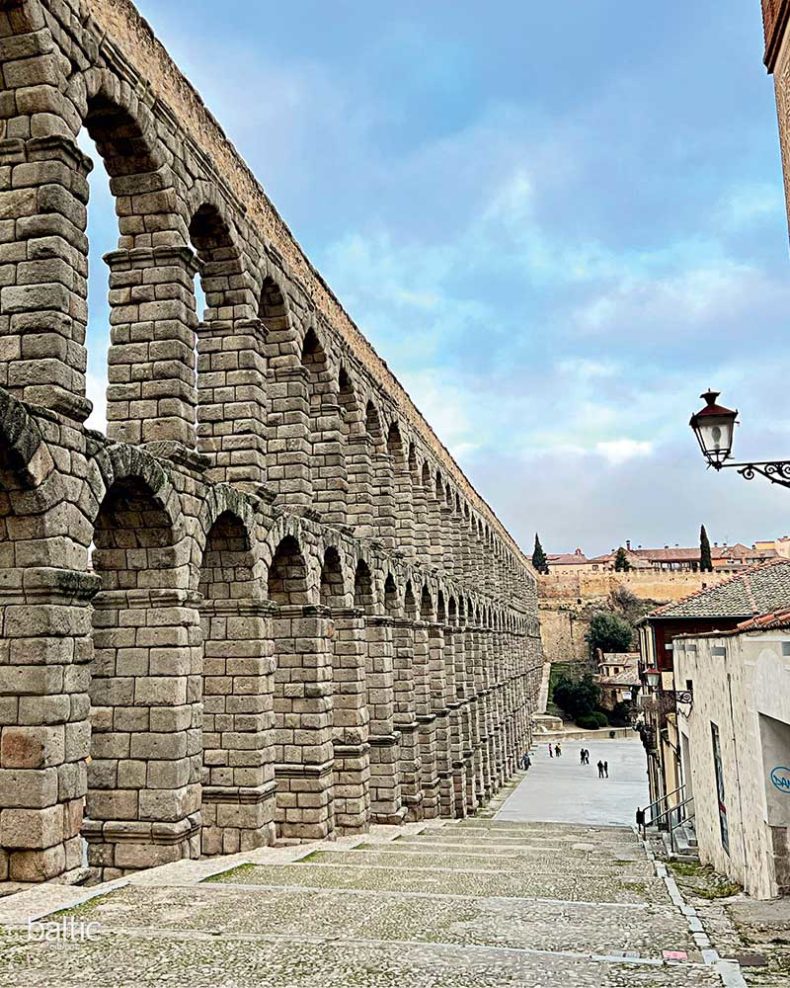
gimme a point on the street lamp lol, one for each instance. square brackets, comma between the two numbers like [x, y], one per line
[652, 678]
[714, 427]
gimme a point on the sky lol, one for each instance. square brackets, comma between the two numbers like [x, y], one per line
[557, 223]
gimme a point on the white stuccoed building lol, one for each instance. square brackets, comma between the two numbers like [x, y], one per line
[735, 749]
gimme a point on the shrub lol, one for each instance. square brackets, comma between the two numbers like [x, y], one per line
[600, 716]
[588, 722]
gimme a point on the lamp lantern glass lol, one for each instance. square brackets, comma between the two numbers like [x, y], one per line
[714, 427]
[652, 678]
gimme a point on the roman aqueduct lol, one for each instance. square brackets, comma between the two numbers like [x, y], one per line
[267, 602]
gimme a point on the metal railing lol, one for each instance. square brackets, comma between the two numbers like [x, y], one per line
[685, 816]
[654, 813]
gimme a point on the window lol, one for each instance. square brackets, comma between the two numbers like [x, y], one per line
[785, 648]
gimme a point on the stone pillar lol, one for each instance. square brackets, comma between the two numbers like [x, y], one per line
[152, 391]
[406, 718]
[441, 711]
[487, 713]
[426, 719]
[351, 724]
[232, 401]
[43, 253]
[448, 549]
[304, 759]
[288, 465]
[465, 689]
[238, 725]
[144, 778]
[478, 714]
[383, 496]
[360, 485]
[44, 728]
[455, 705]
[385, 794]
[404, 514]
[329, 469]
[421, 522]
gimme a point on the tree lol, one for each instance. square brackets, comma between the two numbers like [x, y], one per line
[621, 563]
[705, 560]
[609, 632]
[577, 697]
[539, 560]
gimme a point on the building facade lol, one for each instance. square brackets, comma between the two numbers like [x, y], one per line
[267, 602]
[721, 608]
[735, 744]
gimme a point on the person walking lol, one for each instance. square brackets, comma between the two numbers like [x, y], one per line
[557, 750]
[600, 769]
[551, 751]
[586, 756]
[527, 762]
[581, 755]
[606, 769]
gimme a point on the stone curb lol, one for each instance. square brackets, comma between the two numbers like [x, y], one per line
[728, 970]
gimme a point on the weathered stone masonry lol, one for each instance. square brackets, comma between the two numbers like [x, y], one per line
[267, 602]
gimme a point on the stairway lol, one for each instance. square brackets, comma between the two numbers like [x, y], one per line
[445, 904]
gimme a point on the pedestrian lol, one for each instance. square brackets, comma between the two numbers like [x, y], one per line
[606, 769]
[527, 762]
[581, 754]
[557, 750]
[586, 756]
[600, 769]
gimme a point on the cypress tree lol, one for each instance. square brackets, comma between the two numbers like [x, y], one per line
[705, 560]
[621, 563]
[539, 560]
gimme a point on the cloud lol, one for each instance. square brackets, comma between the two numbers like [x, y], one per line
[616, 451]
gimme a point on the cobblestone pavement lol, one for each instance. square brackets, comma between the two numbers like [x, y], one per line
[479, 902]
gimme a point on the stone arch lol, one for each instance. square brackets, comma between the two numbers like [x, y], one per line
[287, 581]
[237, 691]
[391, 598]
[23, 451]
[273, 307]
[225, 499]
[333, 587]
[226, 286]
[145, 748]
[302, 699]
[410, 609]
[364, 592]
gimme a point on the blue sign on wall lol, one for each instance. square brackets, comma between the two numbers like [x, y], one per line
[780, 776]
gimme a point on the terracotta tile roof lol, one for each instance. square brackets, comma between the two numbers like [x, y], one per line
[758, 590]
[774, 621]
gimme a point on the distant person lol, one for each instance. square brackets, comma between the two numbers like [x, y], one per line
[606, 769]
[600, 769]
[527, 762]
[581, 756]
[586, 756]
[557, 750]
[551, 752]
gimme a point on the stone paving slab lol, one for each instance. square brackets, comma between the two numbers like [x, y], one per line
[453, 881]
[393, 858]
[514, 923]
[206, 961]
[577, 852]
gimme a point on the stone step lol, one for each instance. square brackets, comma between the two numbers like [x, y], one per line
[130, 961]
[392, 856]
[448, 880]
[453, 843]
[512, 923]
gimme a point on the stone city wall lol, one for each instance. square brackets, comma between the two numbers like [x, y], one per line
[267, 602]
[568, 600]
